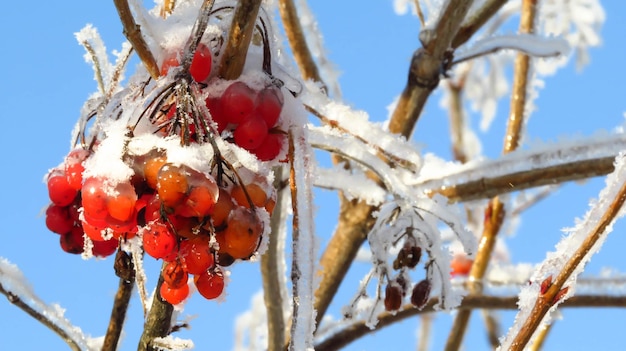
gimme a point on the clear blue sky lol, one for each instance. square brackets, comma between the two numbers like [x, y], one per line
[44, 81]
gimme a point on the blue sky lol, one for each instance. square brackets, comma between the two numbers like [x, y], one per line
[45, 81]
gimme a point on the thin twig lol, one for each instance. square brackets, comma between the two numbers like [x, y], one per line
[476, 20]
[96, 66]
[298, 44]
[426, 325]
[239, 36]
[167, 7]
[493, 328]
[124, 268]
[41, 318]
[158, 321]
[356, 330]
[270, 273]
[541, 337]
[545, 301]
[132, 32]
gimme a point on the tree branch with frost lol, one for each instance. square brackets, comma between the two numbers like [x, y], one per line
[476, 20]
[125, 270]
[14, 286]
[587, 238]
[132, 31]
[345, 334]
[158, 320]
[298, 43]
[234, 55]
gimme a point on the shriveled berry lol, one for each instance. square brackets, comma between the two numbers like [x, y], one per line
[420, 294]
[393, 297]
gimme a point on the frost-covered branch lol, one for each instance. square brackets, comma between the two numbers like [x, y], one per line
[347, 334]
[132, 32]
[573, 252]
[158, 321]
[13, 285]
[124, 269]
[239, 36]
[476, 20]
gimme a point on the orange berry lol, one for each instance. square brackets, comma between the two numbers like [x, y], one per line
[121, 206]
[172, 185]
[222, 208]
[151, 170]
[256, 193]
[242, 233]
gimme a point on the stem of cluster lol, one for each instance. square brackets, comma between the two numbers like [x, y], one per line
[243, 24]
[158, 321]
[132, 32]
[118, 315]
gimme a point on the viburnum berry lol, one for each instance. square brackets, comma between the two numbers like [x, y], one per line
[269, 103]
[171, 60]
[74, 167]
[172, 184]
[73, 241]
[200, 67]
[159, 241]
[420, 294]
[94, 199]
[174, 274]
[217, 113]
[58, 219]
[222, 208]
[105, 248]
[174, 295]
[251, 132]
[408, 256]
[460, 265]
[201, 197]
[121, 203]
[242, 234]
[393, 297]
[93, 232]
[237, 102]
[210, 284]
[270, 147]
[151, 169]
[196, 255]
[59, 189]
[254, 190]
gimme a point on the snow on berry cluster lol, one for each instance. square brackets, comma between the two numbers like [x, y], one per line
[180, 165]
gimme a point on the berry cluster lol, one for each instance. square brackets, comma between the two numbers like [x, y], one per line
[398, 288]
[184, 171]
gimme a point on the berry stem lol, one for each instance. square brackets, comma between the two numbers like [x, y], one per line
[234, 55]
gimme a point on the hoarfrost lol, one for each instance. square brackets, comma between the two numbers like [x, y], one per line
[172, 343]
[569, 247]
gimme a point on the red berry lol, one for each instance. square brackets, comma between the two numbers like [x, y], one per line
[171, 60]
[74, 167]
[251, 132]
[270, 147]
[174, 274]
[58, 219]
[121, 202]
[460, 265]
[217, 113]
[94, 199]
[210, 284]
[420, 293]
[159, 241]
[195, 254]
[174, 295]
[73, 241]
[269, 104]
[93, 232]
[59, 189]
[242, 234]
[237, 102]
[201, 63]
[105, 248]
[393, 297]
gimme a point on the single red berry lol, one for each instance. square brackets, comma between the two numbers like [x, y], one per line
[105, 248]
[270, 147]
[171, 60]
[174, 295]
[74, 167]
[58, 219]
[251, 132]
[73, 241]
[158, 240]
[217, 113]
[200, 67]
[238, 102]
[94, 199]
[269, 104]
[196, 255]
[210, 284]
[460, 265]
[59, 189]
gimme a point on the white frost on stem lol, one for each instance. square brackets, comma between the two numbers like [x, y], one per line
[568, 246]
[304, 243]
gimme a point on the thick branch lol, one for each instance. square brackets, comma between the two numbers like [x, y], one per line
[234, 55]
[124, 269]
[359, 329]
[158, 321]
[476, 20]
[297, 42]
[132, 32]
